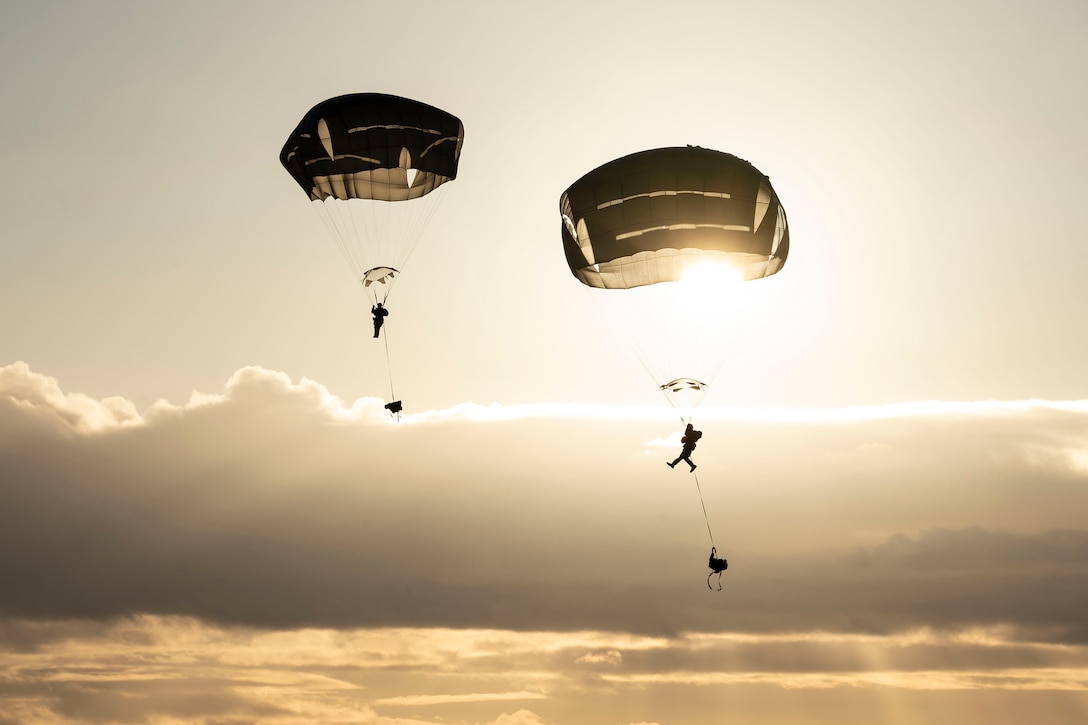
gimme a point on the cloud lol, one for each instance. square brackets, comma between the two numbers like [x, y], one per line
[273, 504]
[410, 700]
[611, 657]
[168, 669]
[43, 397]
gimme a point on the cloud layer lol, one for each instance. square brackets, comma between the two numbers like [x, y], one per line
[165, 670]
[274, 505]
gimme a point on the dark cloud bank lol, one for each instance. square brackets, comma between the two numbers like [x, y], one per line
[264, 507]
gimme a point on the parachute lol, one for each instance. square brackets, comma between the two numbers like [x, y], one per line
[661, 233]
[672, 240]
[372, 163]
[373, 166]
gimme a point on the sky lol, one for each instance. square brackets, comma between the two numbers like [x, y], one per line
[207, 517]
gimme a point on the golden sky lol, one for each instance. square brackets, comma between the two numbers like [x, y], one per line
[206, 516]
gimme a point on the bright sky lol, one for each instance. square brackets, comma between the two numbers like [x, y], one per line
[205, 516]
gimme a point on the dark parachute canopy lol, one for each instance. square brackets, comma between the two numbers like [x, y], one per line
[373, 146]
[647, 217]
[372, 164]
[664, 234]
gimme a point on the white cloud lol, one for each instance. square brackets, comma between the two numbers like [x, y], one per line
[610, 657]
[43, 396]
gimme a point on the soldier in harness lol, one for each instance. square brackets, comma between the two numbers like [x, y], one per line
[379, 313]
[690, 438]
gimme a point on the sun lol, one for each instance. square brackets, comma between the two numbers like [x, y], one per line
[715, 298]
[711, 275]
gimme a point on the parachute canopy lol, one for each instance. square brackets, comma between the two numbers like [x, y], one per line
[650, 216]
[353, 155]
[672, 238]
[373, 146]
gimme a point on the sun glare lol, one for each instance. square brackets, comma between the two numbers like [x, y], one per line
[711, 275]
[710, 285]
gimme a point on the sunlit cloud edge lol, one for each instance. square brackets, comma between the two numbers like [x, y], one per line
[29, 390]
[1040, 679]
[248, 658]
[412, 700]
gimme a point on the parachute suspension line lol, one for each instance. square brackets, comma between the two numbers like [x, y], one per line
[330, 222]
[371, 233]
[641, 355]
[388, 365]
[645, 358]
[701, 503]
[645, 364]
[341, 224]
[650, 373]
[391, 230]
[414, 225]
